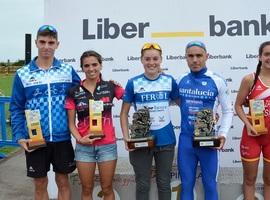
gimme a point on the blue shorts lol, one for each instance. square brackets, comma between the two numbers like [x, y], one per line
[100, 153]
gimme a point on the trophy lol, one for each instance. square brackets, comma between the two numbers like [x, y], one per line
[140, 135]
[95, 119]
[204, 130]
[256, 116]
[34, 129]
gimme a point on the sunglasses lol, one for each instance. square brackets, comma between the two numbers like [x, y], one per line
[47, 28]
[151, 45]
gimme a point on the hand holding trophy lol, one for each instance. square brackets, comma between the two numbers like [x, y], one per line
[140, 136]
[256, 116]
[204, 130]
[34, 130]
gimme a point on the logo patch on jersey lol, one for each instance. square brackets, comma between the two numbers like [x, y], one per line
[204, 83]
[161, 119]
[141, 89]
[154, 96]
[81, 105]
[79, 93]
[61, 79]
[259, 87]
[33, 81]
[103, 86]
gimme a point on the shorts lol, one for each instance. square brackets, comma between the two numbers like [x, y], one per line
[93, 153]
[252, 146]
[59, 154]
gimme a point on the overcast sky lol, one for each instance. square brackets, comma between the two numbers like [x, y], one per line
[18, 17]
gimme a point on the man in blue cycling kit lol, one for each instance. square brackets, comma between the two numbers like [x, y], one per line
[42, 86]
[200, 89]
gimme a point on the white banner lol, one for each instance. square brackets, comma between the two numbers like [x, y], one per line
[232, 31]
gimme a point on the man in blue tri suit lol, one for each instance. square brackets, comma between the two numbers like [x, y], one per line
[200, 89]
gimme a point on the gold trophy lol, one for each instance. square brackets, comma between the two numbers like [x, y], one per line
[204, 130]
[140, 135]
[256, 116]
[34, 130]
[95, 119]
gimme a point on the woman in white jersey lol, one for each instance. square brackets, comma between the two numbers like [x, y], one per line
[154, 90]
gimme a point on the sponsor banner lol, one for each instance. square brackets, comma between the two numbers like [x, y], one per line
[118, 29]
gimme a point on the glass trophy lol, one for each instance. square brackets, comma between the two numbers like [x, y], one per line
[256, 116]
[95, 119]
[140, 130]
[204, 130]
[36, 139]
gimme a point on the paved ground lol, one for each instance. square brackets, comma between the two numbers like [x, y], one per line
[14, 184]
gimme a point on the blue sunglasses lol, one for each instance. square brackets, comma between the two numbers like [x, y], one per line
[47, 28]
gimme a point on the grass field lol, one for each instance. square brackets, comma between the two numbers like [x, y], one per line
[6, 81]
[8, 149]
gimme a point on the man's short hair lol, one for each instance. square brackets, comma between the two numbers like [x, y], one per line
[197, 44]
[47, 30]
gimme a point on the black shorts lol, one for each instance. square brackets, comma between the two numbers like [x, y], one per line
[59, 154]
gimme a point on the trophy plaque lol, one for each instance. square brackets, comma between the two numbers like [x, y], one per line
[204, 130]
[140, 135]
[95, 119]
[256, 116]
[34, 130]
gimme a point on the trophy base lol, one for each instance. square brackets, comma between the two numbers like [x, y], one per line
[260, 132]
[206, 142]
[258, 124]
[263, 132]
[96, 135]
[35, 144]
[261, 129]
[137, 143]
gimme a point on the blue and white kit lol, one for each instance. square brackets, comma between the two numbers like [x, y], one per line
[200, 90]
[156, 95]
[43, 90]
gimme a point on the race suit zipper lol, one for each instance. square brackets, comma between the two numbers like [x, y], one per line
[49, 104]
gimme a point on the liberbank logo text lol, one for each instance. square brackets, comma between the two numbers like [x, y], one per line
[239, 28]
[111, 30]
[105, 28]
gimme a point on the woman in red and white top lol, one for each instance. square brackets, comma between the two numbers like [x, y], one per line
[255, 86]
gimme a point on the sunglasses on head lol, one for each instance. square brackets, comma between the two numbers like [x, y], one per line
[47, 28]
[151, 45]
